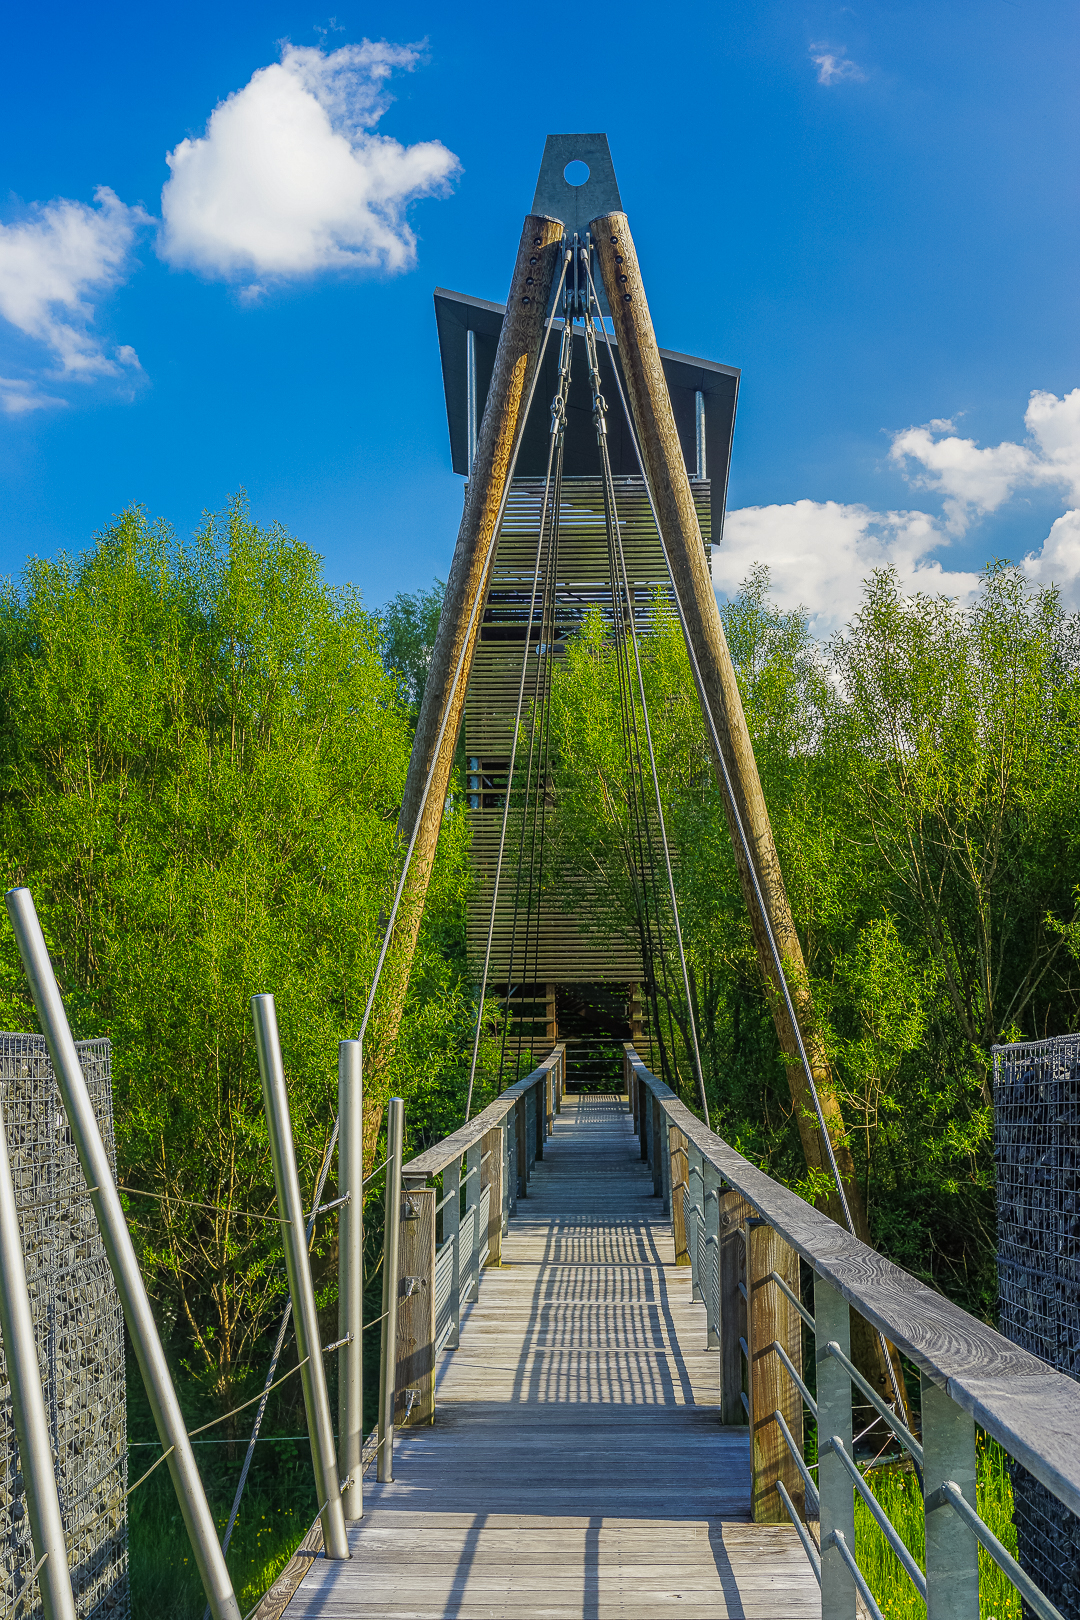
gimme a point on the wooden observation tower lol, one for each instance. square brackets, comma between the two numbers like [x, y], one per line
[565, 981]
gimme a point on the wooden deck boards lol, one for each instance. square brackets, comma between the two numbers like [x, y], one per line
[576, 1469]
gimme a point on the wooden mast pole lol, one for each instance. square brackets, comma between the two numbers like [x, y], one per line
[661, 451]
[538, 258]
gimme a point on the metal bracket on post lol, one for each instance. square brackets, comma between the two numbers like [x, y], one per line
[833, 1323]
[298, 1267]
[168, 1418]
[351, 1278]
[395, 1141]
[952, 1553]
[28, 1407]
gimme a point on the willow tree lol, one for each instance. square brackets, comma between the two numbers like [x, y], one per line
[201, 761]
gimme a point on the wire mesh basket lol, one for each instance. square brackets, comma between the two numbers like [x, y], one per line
[80, 1335]
[1037, 1171]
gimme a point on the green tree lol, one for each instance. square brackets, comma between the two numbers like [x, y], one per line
[921, 775]
[202, 758]
[409, 622]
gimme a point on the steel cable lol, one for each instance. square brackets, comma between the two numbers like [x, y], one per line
[733, 802]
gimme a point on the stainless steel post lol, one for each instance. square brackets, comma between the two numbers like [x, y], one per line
[168, 1418]
[395, 1137]
[695, 1200]
[952, 1553]
[472, 1216]
[298, 1267]
[833, 1322]
[351, 1278]
[710, 1283]
[28, 1407]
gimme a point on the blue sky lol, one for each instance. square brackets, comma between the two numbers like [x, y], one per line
[870, 209]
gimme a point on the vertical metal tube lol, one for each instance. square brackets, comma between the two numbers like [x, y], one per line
[351, 1278]
[471, 413]
[28, 1407]
[168, 1418]
[471, 1259]
[832, 1317]
[395, 1137]
[695, 1200]
[952, 1553]
[699, 423]
[710, 1283]
[298, 1267]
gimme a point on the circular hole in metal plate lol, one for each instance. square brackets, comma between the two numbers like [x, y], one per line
[576, 173]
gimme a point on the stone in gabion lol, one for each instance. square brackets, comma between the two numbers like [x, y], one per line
[1037, 1171]
[80, 1337]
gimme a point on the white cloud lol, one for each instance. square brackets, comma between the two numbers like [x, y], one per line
[49, 265]
[289, 178]
[834, 65]
[18, 397]
[1058, 563]
[820, 552]
[976, 480]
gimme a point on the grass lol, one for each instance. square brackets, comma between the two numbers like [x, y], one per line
[164, 1580]
[898, 1493]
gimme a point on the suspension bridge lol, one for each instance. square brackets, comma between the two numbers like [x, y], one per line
[623, 1371]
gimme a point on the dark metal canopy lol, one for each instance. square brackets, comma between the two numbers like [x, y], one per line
[687, 377]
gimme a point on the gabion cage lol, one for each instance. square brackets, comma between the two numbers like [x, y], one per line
[80, 1337]
[1037, 1163]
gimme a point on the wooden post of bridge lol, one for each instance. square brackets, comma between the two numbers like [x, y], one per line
[680, 1180]
[772, 1320]
[665, 466]
[732, 1211]
[415, 1399]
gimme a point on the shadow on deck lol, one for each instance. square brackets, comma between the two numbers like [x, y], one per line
[576, 1469]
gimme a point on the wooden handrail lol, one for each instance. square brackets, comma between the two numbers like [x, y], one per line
[1021, 1401]
[453, 1147]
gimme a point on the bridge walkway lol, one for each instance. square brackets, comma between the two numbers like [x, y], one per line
[576, 1469]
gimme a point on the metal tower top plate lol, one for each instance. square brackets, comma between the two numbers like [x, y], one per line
[576, 205]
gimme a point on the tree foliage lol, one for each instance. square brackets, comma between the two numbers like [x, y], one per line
[921, 774]
[202, 759]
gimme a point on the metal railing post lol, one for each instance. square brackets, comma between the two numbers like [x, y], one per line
[298, 1268]
[710, 1283]
[833, 1322]
[168, 1418]
[472, 1211]
[695, 1201]
[451, 1218]
[351, 1278]
[952, 1553]
[395, 1141]
[28, 1407]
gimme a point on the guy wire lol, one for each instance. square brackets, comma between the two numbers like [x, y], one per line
[729, 790]
[554, 439]
[622, 584]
